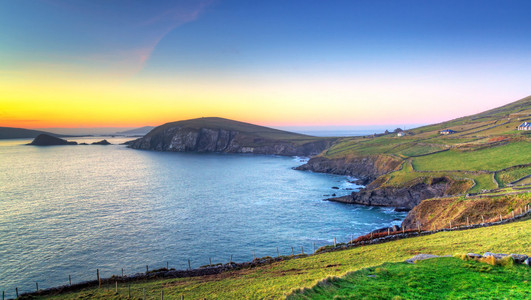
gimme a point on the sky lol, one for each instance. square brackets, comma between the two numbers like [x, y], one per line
[290, 64]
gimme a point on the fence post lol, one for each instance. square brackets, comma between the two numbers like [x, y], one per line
[278, 254]
[231, 258]
[335, 242]
[467, 222]
[513, 214]
[16, 289]
[450, 224]
[144, 293]
[98, 276]
[162, 294]
[190, 266]
[403, 229]
[37, 286]
[129, 290]
[501, 218]
[371, 235]
[116, 287]
[209, 261]
[482, 220]
[147, 269]
[292, 252]
[302, 250]
[418, 226]
[313, 247]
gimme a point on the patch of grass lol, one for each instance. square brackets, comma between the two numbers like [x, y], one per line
[490, 159]
[509, 176]
[278, 279]
[483, 182]
[437, 278]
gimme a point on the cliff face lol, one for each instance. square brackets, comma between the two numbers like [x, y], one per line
[365, 168]
[183, 139]
[406, 197]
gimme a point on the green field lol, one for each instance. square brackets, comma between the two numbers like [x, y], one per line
[279, 279]
[509, 176]
[490, 159]
[436, 278]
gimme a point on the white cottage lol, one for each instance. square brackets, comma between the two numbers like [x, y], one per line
[525, 126]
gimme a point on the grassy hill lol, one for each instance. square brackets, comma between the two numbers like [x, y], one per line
[21, 133]
[437, 278]
[486, 149]
[226, 124]
[279, 279]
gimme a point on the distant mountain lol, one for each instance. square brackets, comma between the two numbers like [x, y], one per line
[229, 136]
[21, 133]
[138, 131]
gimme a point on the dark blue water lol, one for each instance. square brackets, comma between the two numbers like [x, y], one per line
[68, 210]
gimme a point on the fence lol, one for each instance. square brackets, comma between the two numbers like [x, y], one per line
[121, 285]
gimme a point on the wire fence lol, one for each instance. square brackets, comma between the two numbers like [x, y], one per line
[122, 285]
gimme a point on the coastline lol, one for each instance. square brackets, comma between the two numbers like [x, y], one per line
[232, 266]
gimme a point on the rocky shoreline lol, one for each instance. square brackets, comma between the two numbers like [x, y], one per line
[405, 198]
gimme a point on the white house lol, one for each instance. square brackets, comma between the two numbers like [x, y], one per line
[401, 133]
[525, 126]
[447, 131]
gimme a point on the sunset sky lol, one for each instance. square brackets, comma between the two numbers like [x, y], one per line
[276, 63]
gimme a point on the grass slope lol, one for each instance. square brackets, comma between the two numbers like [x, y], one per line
[221, 123]
[488, 141]
[437, 278]
[277, 280]
[490, 159]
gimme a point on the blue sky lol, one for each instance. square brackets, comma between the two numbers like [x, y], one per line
[371, 60]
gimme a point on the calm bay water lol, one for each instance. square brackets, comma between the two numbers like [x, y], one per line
[73, 209]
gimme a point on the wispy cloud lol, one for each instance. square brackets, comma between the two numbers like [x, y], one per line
[129, 38]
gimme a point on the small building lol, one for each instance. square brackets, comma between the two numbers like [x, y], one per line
[447, 131]
[401, 133]
[525, 126]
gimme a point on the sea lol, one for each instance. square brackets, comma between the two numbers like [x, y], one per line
[70, 210]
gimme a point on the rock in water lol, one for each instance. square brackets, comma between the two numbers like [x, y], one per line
[48, 140]
[102, 142]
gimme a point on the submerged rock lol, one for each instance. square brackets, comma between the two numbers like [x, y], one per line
[48, 140]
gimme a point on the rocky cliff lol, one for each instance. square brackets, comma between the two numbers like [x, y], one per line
[181, 137]
[404, 197]
[365, 168]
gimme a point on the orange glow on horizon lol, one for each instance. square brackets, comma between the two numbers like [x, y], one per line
[40, 99]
